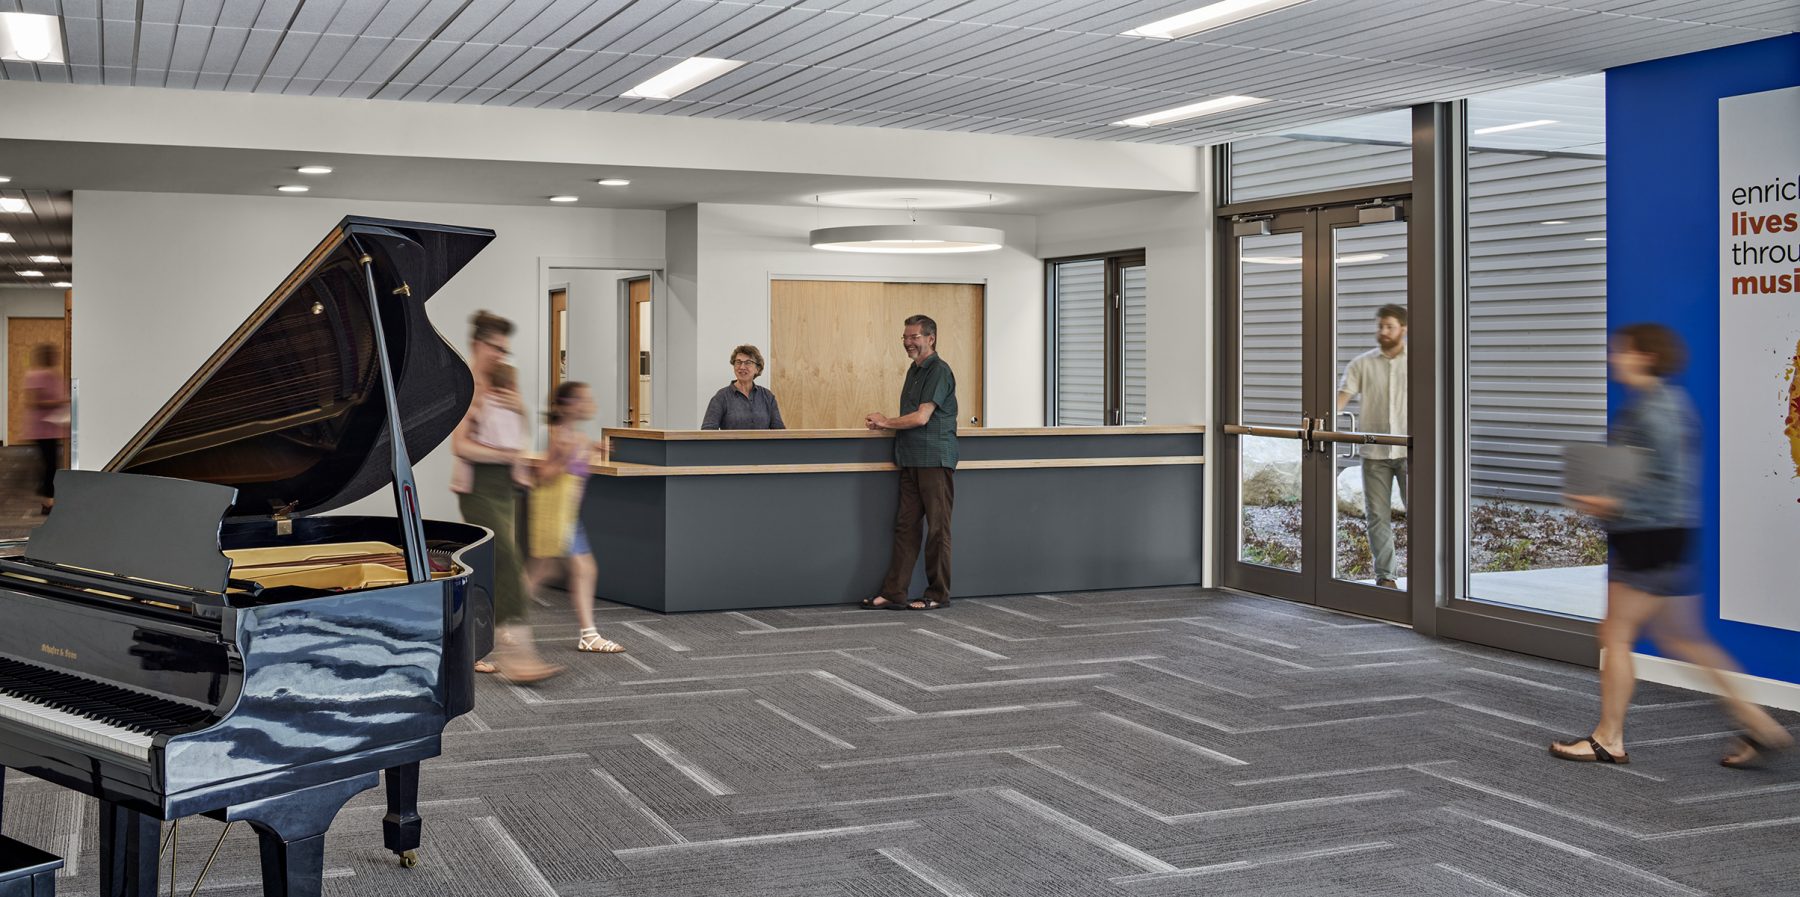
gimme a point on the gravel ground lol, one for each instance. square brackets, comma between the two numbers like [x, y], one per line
[1503, 536]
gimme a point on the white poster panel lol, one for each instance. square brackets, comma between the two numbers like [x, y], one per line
[1759, 336]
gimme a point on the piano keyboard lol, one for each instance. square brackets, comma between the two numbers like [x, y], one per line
[116, 719]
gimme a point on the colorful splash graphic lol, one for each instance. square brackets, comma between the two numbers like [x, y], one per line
[1793, 411]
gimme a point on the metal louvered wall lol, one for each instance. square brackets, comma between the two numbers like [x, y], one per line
[1079, 299]
[1536, 337]
[1134, 288]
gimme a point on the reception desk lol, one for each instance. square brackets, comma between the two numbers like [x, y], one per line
[729, 520]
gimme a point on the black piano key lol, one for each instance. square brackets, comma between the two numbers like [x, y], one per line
[99, 701]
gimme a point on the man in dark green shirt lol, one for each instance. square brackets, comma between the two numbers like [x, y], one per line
[925, 450]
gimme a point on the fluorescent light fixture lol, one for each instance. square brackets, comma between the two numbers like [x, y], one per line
[565, 198]
[1212, 15]
[13, 204]
[1515, 126]
[683, 77]
[614, 182]
[29, 273]
[1553, 222]
[44, 259]
[29, 37]
[918, 239]
[293, 188]
[62, 283]
[314, 169]
[4, 179]
[1195, 110]
[5, 237]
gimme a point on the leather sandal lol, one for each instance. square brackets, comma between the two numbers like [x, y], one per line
[886, 603]
[1565, 750]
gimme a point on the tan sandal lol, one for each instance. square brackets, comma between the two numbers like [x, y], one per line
[592, 642]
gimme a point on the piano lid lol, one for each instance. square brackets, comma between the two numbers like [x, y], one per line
[289, 411]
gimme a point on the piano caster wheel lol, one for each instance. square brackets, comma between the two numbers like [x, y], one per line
[410, 859]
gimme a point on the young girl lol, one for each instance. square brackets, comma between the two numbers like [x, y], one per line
[556, 531]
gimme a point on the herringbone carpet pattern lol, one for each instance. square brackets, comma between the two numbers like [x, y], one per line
[1159, 742]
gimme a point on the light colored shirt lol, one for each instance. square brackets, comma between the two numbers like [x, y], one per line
[497, 427]
[1381, 382]
[50, 418]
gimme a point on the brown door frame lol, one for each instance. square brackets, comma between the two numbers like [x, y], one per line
[634, 349]
[559, 302]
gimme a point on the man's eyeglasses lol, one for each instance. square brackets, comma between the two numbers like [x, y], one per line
[504, 351]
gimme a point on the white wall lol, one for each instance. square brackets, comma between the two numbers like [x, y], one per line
[675, 327]
[24, 303]
[165, 278]
[1175, 234]
[742, 247]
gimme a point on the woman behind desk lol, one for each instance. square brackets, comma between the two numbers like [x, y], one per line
[742, 405]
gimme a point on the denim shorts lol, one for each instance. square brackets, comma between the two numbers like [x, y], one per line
[578, 544]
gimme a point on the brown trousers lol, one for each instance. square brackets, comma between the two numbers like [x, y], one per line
[930, 492]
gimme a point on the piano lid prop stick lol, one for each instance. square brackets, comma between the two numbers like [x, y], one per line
[406, 494]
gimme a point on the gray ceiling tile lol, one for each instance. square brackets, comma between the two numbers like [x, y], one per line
[190, 47]
[201, 12]
[82, 42]
[155, 44]
[160, 11]
[119, 41]
[275, 15]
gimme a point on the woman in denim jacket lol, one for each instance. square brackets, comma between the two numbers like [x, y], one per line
[1651, 531]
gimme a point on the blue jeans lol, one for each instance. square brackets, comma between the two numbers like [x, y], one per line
[1380, 477]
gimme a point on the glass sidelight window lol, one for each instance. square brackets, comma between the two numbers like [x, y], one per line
[1534, 337]
[1099, 340]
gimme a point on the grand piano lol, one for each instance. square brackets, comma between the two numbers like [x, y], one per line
[185, 635]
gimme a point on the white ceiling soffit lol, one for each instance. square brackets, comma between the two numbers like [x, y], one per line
[1049, 68]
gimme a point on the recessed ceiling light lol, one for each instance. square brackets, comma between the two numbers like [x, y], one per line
[1516, 126]
[4, 179]
[1553, 222]
[29, 37]
[681, 78]
[614, 182]
[13, 204]
[29, 273]
[565, 199]
[62, 283]
[44, 259]
[1195, 110]
[5, 237]
[1212, 15]
[293, 188]
[314, 169]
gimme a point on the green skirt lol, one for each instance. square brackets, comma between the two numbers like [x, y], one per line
[493, 501]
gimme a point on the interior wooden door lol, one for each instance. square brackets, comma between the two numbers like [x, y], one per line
[559, 340]
[637, 353]
[835, 354]
[22, 335]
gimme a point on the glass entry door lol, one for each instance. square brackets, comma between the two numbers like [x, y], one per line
[1315, 408]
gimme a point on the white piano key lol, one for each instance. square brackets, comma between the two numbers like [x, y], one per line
[75, 727]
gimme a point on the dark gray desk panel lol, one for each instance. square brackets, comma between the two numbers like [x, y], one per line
[745, 541]
[705, 452]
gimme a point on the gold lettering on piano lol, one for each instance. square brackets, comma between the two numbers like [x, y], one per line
[54, 651]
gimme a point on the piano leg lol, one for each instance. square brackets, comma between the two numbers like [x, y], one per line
[291, 829]
[401, 828]
[128, 852]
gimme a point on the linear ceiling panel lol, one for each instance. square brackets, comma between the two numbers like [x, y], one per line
[1042, 67]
